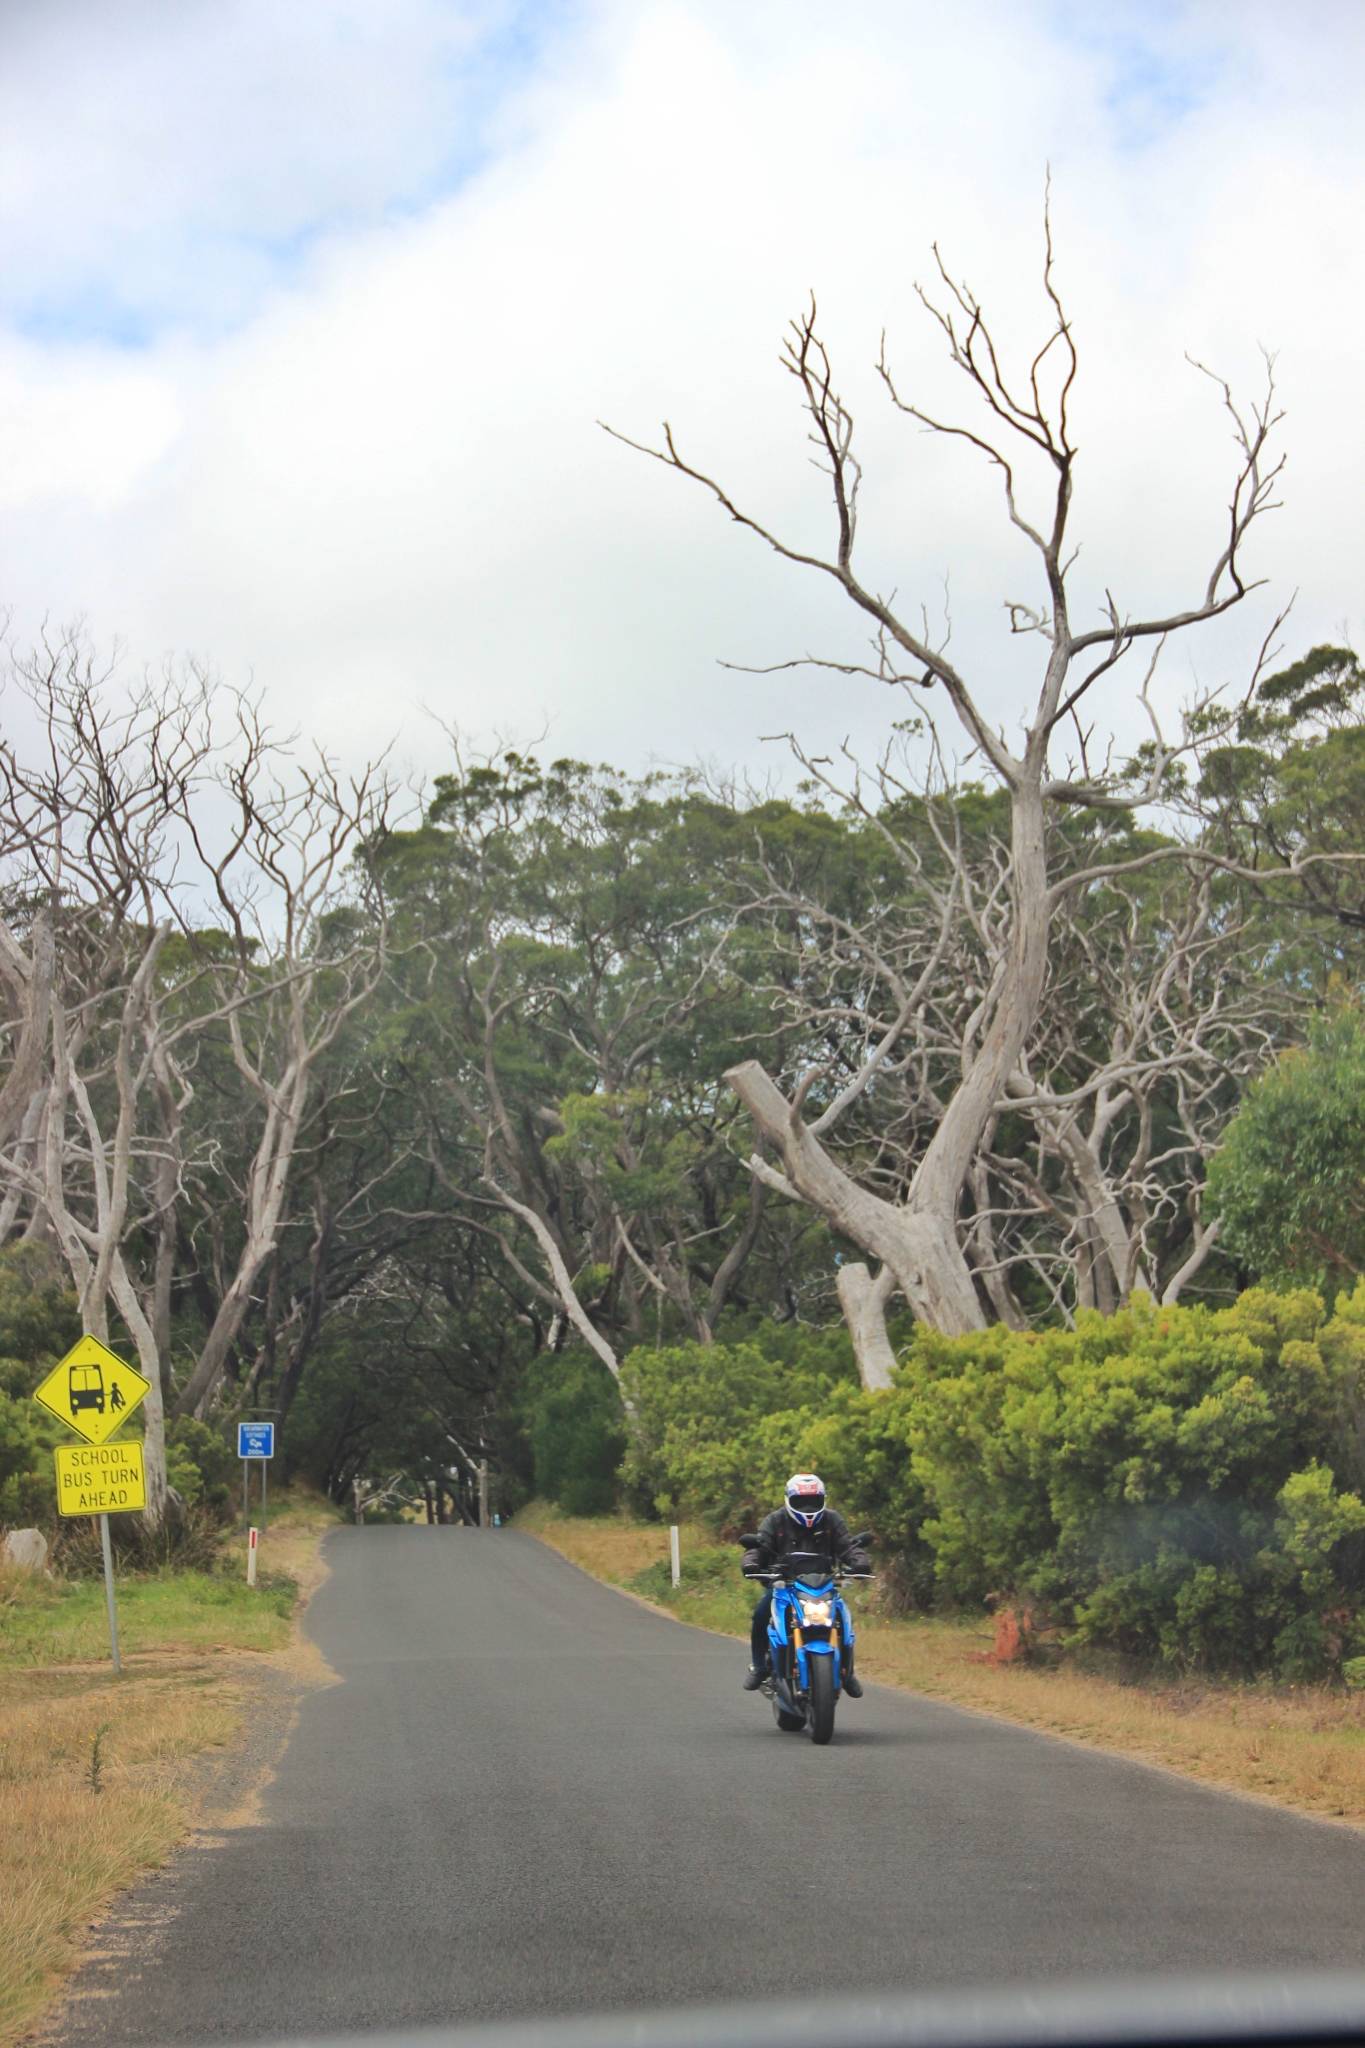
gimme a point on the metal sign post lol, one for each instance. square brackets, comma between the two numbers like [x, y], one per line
[93, 1391]
[108, 1549]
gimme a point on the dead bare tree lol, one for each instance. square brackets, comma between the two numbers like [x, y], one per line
[917, 1237]
[1151, 1028]
[294, 881]
[112, 872]
[87, 827]
[1153, 1016]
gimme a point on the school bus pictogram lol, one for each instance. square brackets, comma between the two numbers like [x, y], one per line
[85, 1387]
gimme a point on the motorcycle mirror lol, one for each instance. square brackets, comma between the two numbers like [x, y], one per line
[747, 1542]
[863, 1536]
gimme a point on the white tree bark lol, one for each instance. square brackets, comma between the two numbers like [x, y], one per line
[863, 1301]
[920, 1248]
[569, 1303]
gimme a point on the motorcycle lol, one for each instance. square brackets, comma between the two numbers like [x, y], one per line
[810, 1638]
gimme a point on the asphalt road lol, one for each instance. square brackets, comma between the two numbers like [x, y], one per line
[532, 1796]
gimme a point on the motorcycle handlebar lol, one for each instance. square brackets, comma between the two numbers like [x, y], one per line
[773, 1578]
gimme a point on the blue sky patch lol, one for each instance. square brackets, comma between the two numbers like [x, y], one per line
[129, 250]
[1160, 68]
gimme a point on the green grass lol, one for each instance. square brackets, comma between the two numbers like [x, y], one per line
[62, 1621]
[713, 1593]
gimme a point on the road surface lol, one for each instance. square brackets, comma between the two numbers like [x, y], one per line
[532, 1796]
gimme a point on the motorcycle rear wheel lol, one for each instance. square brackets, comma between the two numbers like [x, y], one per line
[821, 1700]
[790, 1724]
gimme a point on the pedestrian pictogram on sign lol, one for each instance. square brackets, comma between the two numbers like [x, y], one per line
[100, 1479]
[92, 1391]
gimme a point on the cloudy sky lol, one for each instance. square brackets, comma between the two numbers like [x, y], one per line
[308, 314]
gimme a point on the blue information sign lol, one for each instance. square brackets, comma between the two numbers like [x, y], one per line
[255, 1439]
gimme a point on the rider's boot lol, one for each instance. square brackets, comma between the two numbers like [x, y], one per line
[851, 1685]
[753, 1678]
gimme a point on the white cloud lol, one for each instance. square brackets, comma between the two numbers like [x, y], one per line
[387, 488]
[78, 427]
[162, 165]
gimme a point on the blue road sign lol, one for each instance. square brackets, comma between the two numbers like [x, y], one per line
[255, 1439]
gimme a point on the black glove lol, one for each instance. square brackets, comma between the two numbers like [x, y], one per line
[753, 1563]
[858, 1561]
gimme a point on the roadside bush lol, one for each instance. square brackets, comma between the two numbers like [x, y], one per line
[38, 1322]
[203, 1467]
[1289, 1179]
[1162, 1480]
[577, 1431]
[714, 1428]
[28, 1487]
[1180, 1484]
[190, 1543]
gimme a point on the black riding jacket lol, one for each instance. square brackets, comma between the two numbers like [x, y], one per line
[778, 1534]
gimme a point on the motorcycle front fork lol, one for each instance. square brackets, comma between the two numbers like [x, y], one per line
[783, 1661]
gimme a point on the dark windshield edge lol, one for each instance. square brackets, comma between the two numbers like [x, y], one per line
[1265, 2008]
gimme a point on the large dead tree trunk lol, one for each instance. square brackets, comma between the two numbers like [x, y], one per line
[919, 1247]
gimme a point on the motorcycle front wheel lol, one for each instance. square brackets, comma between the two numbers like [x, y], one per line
[821, 1699]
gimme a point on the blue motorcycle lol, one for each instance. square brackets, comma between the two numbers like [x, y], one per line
[810, 1637]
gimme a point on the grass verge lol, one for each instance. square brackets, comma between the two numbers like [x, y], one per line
[100, 1776]
[1300, 1746]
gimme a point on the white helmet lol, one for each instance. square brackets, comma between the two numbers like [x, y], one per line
[806, 1499]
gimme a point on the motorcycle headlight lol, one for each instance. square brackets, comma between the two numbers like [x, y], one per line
[817, 1611]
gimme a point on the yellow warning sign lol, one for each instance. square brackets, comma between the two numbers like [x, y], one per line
[92, 1391]
[100, 1479]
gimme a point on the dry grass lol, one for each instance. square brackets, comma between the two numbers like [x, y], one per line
[610, 1548]
[1302, 1747]
[192, 1646]
[66, 1848]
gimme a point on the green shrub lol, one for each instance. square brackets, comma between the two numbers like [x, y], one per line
[39, 1320]
[1162, 1479]
[192, 1542]
[577, 1432]
[28, 1487]
[1289, 1179]
[714, 1428]
[203, 1466]
[1180, 1484]
[700, 1571]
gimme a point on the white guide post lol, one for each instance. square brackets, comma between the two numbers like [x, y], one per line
[251, 1542]
[674, 1555]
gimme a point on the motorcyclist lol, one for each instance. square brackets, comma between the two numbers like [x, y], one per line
[803, 1522]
